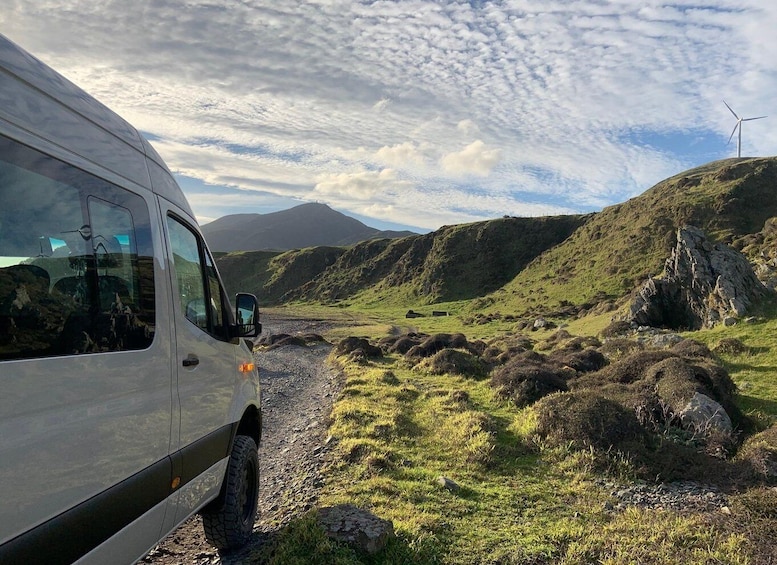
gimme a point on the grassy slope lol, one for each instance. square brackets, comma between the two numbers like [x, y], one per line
[453, 263]
[624, 244]
[398, 431]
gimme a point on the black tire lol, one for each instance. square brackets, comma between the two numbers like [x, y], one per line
[229, 520]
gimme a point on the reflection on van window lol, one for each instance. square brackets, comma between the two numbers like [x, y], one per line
[76, 261]
[188, 273]
[202, 305]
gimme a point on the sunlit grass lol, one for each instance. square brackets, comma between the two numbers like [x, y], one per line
[397, 431]
[397, 436]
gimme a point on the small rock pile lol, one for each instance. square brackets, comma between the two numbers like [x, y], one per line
[681, 496]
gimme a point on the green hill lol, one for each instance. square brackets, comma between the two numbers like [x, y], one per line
[452, 263]
[624, 244]
[521, 265]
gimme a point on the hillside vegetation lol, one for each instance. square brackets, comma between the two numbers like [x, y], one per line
[523, 265]
[624, 244]
[540, 477]
[452, 263]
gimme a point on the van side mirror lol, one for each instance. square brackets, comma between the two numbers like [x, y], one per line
[247, 315]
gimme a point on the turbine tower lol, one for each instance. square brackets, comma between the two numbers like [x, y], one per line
[739, 127]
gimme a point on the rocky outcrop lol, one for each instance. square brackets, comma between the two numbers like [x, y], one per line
[703, 283]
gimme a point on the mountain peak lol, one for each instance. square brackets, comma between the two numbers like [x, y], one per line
[307, 225]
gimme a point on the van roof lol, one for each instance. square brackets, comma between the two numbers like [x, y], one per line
[40, 101]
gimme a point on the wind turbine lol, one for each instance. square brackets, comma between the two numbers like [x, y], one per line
[739, 127]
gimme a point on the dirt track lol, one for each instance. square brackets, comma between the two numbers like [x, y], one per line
[297, 394]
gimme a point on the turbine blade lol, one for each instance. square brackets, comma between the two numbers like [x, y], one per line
[758, 118]
[732, 133]
[730, 110]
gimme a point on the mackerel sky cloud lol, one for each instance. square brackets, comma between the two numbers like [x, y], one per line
[419, 113]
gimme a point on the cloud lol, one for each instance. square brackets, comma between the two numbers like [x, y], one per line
[468, 127]
[474, 159]
[538, 106]
[363, 185]
[402, 155]
[381, 104]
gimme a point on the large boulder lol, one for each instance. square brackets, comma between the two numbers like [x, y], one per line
[705, 415]
[703, 283]
[357, 527]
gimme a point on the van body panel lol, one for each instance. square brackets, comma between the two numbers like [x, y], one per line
[110, 436]
[78, 530]
[132, 538]
[109, 420]
[23, 104]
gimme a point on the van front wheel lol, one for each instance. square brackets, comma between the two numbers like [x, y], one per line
[229, 520]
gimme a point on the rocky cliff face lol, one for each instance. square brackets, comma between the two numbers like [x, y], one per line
[703, 283]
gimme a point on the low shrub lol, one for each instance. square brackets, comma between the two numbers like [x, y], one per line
[582, 361]
[403, 345]
[351, 344]
[616, 329]
[677, 382]
[526, 382]
[584, 419]
[633, 367]
[617, 348]
[730, 346]
[692, 348]
[454, 362]
[760, 453]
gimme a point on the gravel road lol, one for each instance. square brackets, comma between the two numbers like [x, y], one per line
[297, 394]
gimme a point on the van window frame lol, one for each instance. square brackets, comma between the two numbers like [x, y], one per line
[208, 277]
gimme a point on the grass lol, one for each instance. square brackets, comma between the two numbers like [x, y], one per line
[755, 370]
[399, 430]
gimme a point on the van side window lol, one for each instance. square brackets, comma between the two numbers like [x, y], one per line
[76, 260]
[199, 290]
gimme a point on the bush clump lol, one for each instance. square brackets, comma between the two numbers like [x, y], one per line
[677, 382]
[620, 347]
[403, 344]
[760, 453]
[585, 419]
[731, 346]
[633, 367]
[616, 329]
[691, 348]
[582, 361]
[350, 345]
[455, 362]
[525, 383]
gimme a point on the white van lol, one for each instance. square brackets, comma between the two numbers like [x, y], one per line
[129, 397]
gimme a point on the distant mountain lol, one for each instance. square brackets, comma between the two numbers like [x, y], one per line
[306, 225]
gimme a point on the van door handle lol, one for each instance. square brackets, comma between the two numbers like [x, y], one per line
[191, 361]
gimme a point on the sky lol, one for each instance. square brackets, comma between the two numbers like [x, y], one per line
[413, 114]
